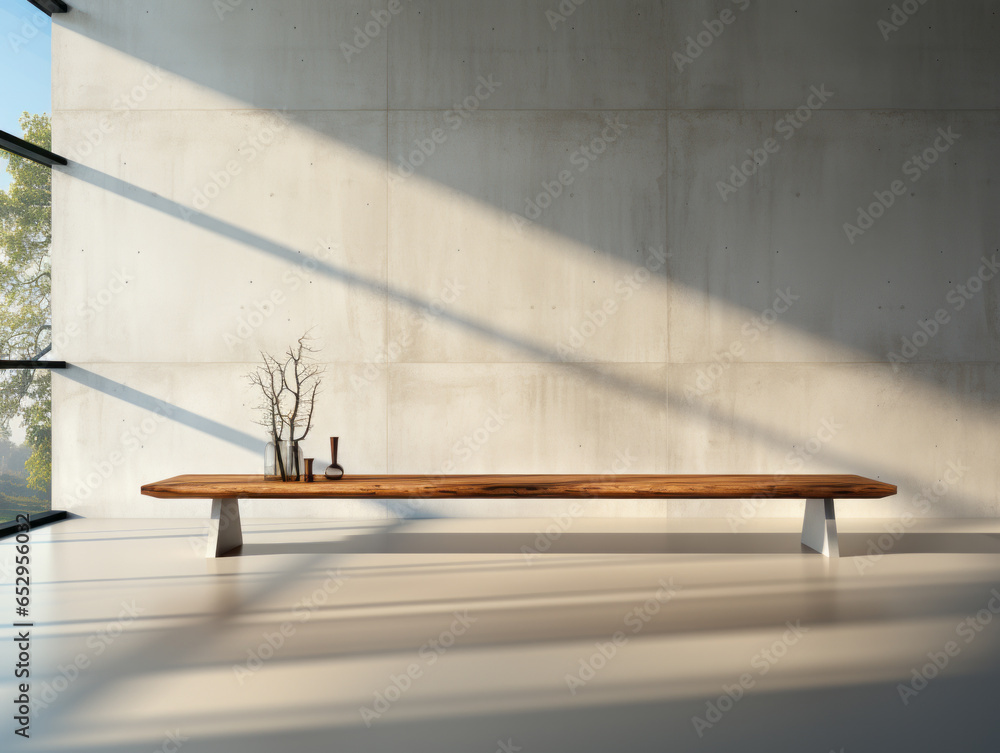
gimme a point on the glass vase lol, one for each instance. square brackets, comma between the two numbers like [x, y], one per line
[282, 461]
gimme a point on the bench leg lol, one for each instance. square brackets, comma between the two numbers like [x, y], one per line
[224, 530]
[819, 527]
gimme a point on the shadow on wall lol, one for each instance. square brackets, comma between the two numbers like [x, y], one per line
[595, 373]
[640, 209]
[784, 230]
[163, 409]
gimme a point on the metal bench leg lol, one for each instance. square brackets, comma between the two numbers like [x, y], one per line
[819, 527]
[224, 530]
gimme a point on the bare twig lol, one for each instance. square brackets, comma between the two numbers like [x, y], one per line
[289, 390]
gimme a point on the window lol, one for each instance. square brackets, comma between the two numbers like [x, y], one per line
[25, 274]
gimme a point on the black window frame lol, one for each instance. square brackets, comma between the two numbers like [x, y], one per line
[15, 145]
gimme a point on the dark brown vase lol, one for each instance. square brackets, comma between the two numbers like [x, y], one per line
[334, 472]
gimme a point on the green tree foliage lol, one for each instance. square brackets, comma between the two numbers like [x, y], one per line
[38, 423]
[26, 285]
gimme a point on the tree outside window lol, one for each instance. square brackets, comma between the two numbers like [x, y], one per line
[25, 325]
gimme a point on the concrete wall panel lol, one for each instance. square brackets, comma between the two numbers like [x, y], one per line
[257, 254]
[530, 418]
[140, 423]
[437, 305]
[941, 56]
[919, 426]
[525, 244]
[606, 54]
[230, 54]
[811, 269]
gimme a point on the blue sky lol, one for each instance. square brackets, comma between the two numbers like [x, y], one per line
[25, 79]
[25, 65]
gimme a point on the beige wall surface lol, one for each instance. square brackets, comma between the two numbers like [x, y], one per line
[583, 236]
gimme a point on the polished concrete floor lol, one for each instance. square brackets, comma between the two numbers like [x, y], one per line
[511, 635]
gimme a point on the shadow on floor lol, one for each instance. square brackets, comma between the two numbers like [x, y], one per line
[856, 717]
[415, 542]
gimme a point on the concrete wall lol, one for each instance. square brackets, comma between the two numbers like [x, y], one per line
[592, 236]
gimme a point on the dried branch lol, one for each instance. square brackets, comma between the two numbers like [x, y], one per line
[289, 390]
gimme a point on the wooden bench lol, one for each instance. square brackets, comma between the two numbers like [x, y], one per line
[819, 525]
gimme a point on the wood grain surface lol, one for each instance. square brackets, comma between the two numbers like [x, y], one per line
[623, 486]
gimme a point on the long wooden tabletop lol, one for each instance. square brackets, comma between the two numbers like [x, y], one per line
[838, 486]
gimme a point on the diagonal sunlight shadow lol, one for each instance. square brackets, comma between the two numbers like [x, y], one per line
[147, 657]
[722, 618]
[214, 70]
[407, 732]
[661, 543]
[266, 245]
[213, 73]
[639, 720]
[592, 371]
[717, 608]
[163, 408]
